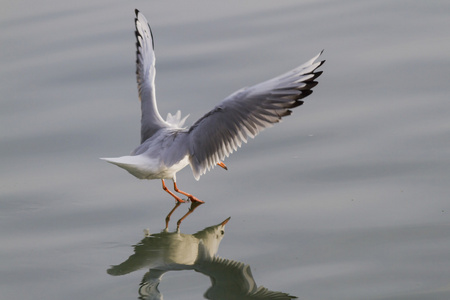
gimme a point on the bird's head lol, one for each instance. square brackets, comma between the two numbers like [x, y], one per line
[211, 236]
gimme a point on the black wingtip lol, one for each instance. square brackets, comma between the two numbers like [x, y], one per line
[320, 53]
[323, 61]
[137, 34]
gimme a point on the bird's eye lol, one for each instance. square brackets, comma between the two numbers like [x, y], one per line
[222, 232]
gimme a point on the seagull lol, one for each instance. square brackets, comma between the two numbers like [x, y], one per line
[167, 146]
[175, 251]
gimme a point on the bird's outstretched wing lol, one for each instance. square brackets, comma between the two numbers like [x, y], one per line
[247, 112]
[151, 120]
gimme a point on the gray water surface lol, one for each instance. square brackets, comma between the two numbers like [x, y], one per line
[348, 198]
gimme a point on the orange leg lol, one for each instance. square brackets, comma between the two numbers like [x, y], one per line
[221, 164]
[192, 198]
[170, 213]
[194, 205]
[172, 194]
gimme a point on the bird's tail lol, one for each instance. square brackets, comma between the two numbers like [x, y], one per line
[136, 165]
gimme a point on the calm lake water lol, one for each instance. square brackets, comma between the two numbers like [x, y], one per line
[348, 198]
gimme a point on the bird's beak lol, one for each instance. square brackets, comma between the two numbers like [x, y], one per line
[225, 222]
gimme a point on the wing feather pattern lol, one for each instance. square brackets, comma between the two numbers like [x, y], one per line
[246, 112]
[151, 120]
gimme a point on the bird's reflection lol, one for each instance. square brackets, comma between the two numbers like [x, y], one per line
[175, 251]
[193, 206]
